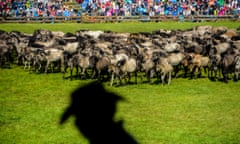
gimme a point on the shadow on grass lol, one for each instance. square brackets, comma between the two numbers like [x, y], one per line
[94, 109]
[5, 66]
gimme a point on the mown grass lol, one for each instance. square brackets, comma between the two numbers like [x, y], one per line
[187, 111]
[131, 27]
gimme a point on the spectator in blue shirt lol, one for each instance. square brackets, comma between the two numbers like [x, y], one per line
[166, 9]
[35, 12]
[65, 12]
[174, 11]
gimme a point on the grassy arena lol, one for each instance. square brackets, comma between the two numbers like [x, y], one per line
[187, 111]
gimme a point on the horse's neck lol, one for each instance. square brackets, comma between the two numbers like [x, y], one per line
[47, 44]
[51, 42]
[15, 41]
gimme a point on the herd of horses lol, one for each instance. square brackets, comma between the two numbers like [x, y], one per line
[112, 56]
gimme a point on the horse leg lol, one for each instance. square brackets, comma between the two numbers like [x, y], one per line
[228, 74]
[65, 70]
[124, 76]
[34, 65]
[210, 72]
[46, 67]
[60, 66]
[38, 67]
[30, 63]
[135, 73]
[148, 76]
[41, 67]
[192, 71]
[185, 71]
[71, 71]
[215, 74]
[112, 78]
[82, 73]
[205, 69]
[238, 71]
[18, 59]
[77, 73]
[119, 80]
[169, 77]
[151, 74]
[176, 70]
[220, 73]
[129, 77]
[225, 74]
[52, 66]
[237, 74]
[29, 66]
[99, 75]
[93, 73]
[25, 65]
[86, 73]
[163, 78]
[199, 73]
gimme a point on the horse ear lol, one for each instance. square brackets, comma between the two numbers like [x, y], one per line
[118, 64]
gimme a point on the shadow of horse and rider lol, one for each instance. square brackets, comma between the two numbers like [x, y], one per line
[94, 109]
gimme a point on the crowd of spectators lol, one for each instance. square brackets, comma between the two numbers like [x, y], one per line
[162, 7]
[35, 8]
[51, 8]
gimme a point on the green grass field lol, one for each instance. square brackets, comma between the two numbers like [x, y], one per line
[131, 27]
[193, 111]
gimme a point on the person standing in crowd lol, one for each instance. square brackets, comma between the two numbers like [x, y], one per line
[1, 8]
[52, 14]
[35, 12]
[66, 13]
